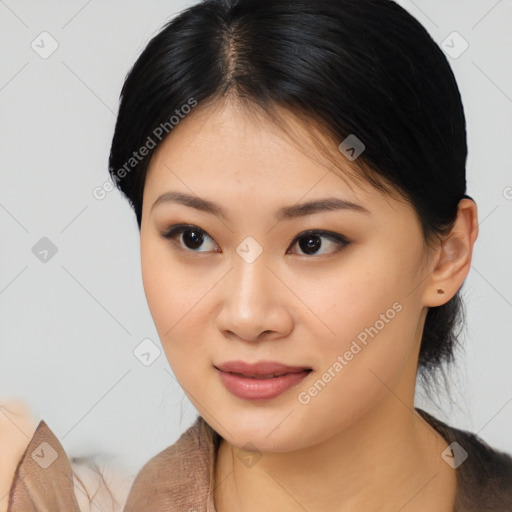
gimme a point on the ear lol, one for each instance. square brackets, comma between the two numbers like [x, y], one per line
[453, 258]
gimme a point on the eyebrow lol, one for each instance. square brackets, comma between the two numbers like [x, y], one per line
[284, 213]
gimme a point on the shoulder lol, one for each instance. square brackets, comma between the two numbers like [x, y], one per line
[177, 478]
[484, 474]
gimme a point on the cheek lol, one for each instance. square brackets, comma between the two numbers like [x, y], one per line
[360, 369]
[366, 315]
[174, 298]
[350, 298]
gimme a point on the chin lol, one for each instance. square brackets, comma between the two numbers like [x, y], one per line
[264, 431]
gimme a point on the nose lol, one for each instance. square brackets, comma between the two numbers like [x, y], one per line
[255, 304]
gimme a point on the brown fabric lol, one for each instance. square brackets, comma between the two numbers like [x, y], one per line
[180, 478]
[484, 479]
[43, 481]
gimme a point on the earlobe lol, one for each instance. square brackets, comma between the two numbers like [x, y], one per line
[454, 256]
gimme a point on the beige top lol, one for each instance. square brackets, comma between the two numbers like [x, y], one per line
[180, 478]
[45, 480]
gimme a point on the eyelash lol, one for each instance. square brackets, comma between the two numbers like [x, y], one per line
[179, 229]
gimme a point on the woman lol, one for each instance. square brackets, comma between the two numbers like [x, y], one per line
[297, 172]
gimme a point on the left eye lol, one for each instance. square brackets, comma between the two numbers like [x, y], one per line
[311, 241]
[191, 238]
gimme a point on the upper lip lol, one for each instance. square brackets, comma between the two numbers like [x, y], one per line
[260, 368]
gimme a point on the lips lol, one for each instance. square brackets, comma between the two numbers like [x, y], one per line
[261, 370]
[260, 381]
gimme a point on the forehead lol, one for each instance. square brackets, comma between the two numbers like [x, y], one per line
[228, 152]
[226, 139]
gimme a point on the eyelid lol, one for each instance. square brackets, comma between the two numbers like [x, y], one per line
[324, 232]
[178, 229]
[338, 238]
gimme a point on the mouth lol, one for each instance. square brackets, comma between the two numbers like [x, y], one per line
[260, 381]
[260, 369]
[267, 376]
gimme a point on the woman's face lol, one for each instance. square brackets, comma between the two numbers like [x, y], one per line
[248, 285]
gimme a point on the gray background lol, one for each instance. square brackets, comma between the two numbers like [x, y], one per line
[69, 325]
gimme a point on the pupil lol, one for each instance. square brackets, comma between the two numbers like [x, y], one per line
[313, 243]
[194, 240]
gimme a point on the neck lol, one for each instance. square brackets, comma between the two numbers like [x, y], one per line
[390, 459]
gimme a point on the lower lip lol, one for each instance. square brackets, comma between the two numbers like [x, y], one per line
[260, 389]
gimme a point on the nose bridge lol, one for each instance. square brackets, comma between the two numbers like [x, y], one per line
[251, 303]
[250, 277]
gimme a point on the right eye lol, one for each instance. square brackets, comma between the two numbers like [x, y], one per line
[189, 237]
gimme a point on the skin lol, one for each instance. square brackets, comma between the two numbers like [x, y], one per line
[358, 444]
[17, 426]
